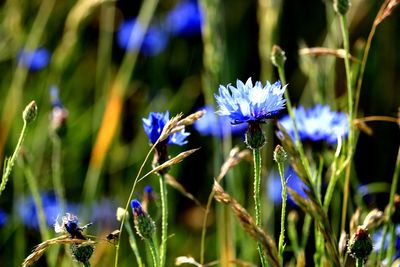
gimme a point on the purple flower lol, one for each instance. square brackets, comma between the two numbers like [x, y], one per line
[154, 125]
[185, 19]
[248, 103]
[211, 124]
[34, 60]
[317, 124]
[131, 36]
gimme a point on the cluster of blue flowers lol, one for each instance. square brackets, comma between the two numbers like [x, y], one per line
[185, 20]
[317, 124]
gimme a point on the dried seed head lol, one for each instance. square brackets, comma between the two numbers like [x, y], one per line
[343, 243]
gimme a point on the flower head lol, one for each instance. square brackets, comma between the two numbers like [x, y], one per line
[70, 224]
[154, 125]
[248, 103]
[317, 124]
[34, 60]
[131, 36]
[185, 19]
[144, 224]
[211, 124]
[59, 114]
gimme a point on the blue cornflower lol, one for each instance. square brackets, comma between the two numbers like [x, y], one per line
[248, 103]
[70, 224]
[137, 207]
[3, 218]
[130, 37]
[275, 186]
[213, 125]
[317, 124]
[154, 125]
[34, 59]
[59, 114]
[185, 19]
[51, 206]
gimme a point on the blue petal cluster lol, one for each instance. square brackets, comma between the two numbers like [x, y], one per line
[28, 212]
[154, 125]
[185, 19]
[317, 124]
[34, 60]
[248, 103]
[131, 37]
[274, 186]
[213, 125]
[137, 207]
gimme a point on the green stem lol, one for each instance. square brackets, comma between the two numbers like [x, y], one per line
[257, 200]
[281, 246]
[132, 243]
[164, 220]
[9, 163]
[360, 262]
[86, 264]
[393, 189]
[153, 251]
[345, 34]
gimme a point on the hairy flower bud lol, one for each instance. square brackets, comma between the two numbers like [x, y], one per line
[280, 155]
[255, 138]
[360, 244]
[278, 57]
[144, 224]
[82, 252]
[30, 112]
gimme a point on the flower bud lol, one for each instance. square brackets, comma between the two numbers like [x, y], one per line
[82, 252]
[144, 224]
[278, 57]
[360, 244]
[30, 112]
[280, 155]
[255, 138]
[341, 6]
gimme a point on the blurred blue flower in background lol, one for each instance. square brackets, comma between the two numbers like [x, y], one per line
[317, 124]
[185, 19]
[51, 206]
[154, 40]
[377, 242]
[211, 124]
[3, 218]
[154, 125]
[248, 103]
[59, 114]
[34, 60]
[274, 186]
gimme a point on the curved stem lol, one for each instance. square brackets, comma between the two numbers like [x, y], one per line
[164, 220]
[8, 165]
[257, 200]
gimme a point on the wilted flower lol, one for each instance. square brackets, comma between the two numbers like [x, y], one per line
[59, 114]
[248, 103]
[35, 59]
[131, 37]
[317, 124]
[70, 224]
[211, 124]
[185, 19]
[154, 125]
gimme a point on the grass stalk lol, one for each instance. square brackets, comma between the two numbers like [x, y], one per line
[153, 251]
[57, 171]
[133, 244]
